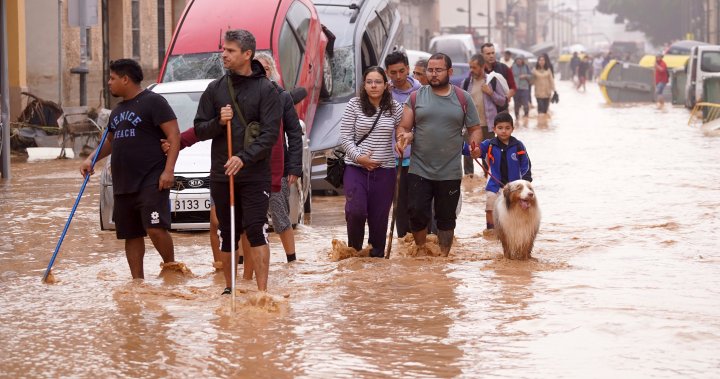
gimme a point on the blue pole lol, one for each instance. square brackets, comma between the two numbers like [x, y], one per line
[72, 212]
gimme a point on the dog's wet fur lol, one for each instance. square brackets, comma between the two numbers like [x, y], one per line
[517, 219]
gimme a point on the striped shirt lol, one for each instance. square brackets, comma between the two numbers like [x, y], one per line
[379, 144]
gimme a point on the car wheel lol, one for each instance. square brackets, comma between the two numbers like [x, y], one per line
[327, 83]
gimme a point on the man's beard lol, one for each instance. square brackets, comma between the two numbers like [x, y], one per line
[442, 83]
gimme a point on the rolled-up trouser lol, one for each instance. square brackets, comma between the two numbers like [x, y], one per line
[445, 193]
[251, 207]
[368, 198]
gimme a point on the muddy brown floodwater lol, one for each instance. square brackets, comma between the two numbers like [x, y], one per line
[626, 282]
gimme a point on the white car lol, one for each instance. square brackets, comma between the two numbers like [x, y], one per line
[190, 198]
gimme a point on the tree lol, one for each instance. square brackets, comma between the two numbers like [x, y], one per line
[662, 21]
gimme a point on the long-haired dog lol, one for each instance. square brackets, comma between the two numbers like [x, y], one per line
[517, 219]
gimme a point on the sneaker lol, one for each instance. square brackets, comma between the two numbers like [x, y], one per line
[227, 291]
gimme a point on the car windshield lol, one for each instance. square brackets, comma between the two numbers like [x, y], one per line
[678, 51]
[195, 66]
[185, 105]
[343, 72]
[710, 61]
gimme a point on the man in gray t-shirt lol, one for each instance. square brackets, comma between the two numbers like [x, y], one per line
[435, 163]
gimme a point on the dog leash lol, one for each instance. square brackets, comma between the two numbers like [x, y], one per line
[487, 172]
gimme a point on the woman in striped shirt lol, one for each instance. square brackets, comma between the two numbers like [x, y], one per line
[370, 171]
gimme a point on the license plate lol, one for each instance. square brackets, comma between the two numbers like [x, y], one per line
[189, 205]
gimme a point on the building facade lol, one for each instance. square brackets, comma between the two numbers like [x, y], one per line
[44, 53]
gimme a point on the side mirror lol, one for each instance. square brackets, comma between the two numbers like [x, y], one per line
[298, 94]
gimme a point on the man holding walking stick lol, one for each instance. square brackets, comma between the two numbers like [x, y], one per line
[248, 100]
[142, 173]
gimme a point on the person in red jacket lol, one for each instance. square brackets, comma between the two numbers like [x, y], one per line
[661, 79]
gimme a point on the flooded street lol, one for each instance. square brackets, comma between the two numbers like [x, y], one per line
[626, 282]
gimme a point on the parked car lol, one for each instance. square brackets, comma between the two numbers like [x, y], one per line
[365, 33]
[704, 63]
[190, 198]
[287, 29]
[459, 47]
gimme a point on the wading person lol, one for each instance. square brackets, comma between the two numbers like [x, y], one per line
[487, 97]
[254, 111]
[508, 160]
[661, 79]
[142, 173]
[522, 75]
[491, 65]
[285, 167]
[366, 131]
[544, 86]
[435, 171]
[402, 86]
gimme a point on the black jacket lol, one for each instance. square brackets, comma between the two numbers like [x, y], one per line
[259, 101]
[293, 150]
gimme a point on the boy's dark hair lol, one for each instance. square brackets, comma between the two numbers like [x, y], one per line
[396, 57]
[504, 117]
[129, 68]
[445, 57]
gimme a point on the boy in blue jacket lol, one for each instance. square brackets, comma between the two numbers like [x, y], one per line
[508, 161]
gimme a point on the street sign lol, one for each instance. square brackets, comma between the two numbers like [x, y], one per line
[82, 13]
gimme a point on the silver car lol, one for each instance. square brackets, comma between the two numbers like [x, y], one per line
[190, 198]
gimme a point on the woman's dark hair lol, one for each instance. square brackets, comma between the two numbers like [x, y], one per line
[385, 101]
[548, 65]
[504, 117]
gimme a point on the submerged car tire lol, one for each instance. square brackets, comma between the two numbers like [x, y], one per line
[327, 82]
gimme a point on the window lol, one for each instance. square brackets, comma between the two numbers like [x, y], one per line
[377, 36]
[299, 18]
[367, 52]
[710, 61]
[161, 29]
[290, 56]
[135, 27]
[88, 45]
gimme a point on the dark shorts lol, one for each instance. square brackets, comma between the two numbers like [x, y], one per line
[251, 207]
[134, 213]
[446, 194]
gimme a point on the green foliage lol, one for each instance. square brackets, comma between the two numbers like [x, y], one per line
[660, 20]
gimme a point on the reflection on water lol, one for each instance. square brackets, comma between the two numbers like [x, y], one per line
[626, 281]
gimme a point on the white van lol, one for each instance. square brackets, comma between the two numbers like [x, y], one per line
[704, 63]
[459, 47]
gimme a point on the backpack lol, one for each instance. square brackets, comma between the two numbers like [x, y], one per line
[460, 95]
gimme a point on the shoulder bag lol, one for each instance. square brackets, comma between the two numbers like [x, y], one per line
[336, 165]
[252, 130]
